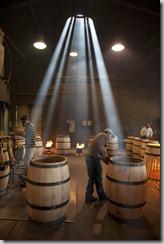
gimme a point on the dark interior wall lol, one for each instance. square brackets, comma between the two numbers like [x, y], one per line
[137, 101]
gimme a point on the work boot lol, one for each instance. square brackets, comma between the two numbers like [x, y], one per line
[23, 184]
[90, 199]
[103, 198]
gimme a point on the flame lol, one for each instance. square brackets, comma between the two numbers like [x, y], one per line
[49, 144]
[80, 145]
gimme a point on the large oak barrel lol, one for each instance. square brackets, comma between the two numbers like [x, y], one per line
[4, 177]
[47, 189]
[112, 147]
[125, 187]
[63, 144]
[152, 160]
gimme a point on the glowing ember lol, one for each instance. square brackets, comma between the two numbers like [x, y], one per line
[79, 145]
[49, 144]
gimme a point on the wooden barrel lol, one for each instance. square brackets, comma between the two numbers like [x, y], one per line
[112, 147]
[136, 147]
[152, 160]
[38, 147]
[144, 145]
[4, 150]
[129, 144]
[47, 189]
[19, 147]
[63, 144]
[18, 141]
[90, 141]
[10, 149]
[125, 187]
[4, 178]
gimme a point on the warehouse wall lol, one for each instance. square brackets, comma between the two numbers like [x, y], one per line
[137, 101]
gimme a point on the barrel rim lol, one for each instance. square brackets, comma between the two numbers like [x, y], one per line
[153, 145]
[63, 136]
[138, 161]
[130, 137]
[43, 160]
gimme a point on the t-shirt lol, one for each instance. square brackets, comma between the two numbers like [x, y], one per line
[29, 134]
[146, 132]
[97, 148]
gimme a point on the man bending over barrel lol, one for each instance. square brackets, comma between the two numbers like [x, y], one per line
[96, 153]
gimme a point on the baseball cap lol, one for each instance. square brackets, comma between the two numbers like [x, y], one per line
[109, 131]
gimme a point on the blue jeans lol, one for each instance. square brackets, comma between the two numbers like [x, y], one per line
[94, 170]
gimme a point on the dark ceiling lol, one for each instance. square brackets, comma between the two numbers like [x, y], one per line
[135, 22]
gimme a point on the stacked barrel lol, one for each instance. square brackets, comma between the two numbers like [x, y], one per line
[4, 164]
[152, 160]
[129, 145]
[38, 147]
[19, 147]
[136, 147]
[149, 151]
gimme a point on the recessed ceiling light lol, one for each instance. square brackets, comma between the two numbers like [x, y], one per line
[79, 15]
[40, 45]
[118, 47]
[73, 54]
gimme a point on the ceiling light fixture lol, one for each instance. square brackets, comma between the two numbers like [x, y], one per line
[118, 47]
[79, 15]
[40, 43]
[73, 54]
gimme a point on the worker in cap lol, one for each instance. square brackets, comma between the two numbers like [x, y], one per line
[96, 153]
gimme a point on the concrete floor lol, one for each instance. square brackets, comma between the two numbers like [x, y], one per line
[85, 221]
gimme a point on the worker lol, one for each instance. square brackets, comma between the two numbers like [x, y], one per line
[96, 153]
[29, 134]
[146, 132]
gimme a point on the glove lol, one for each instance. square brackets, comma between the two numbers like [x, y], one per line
[106, 160]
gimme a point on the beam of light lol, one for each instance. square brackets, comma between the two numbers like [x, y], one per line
[109, 103]
[76, 70]
[80, 98]
[52, 104]
[93, 89]
[43, 90]
[82, 91]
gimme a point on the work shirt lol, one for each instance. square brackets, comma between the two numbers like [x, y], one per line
[147, 132]
[98, 147]
[29, 134]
